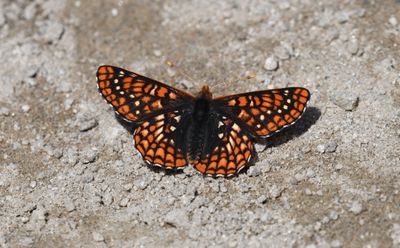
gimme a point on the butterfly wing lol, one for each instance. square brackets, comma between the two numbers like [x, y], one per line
[263, 113]
[160, 140]
[135, 97]
[228, 149]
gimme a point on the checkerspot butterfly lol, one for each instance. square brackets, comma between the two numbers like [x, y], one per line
[173, 128]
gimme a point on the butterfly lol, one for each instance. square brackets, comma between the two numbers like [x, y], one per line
[173, 128]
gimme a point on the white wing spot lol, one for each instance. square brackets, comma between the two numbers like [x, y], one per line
[121, 92]
[220, 123]
[262, 117]
[258, 126]
[117, 88]
[286, 92]
[137, 103]
[172, 128]
[220, 135]
[177, 118]
[116, 81]
[137, 112]
[285, 107]
[131, 96]
[236, 127]
[269, 112]
[279, 111]
[288, 101]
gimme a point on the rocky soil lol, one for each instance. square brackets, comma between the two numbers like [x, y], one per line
[70, 177]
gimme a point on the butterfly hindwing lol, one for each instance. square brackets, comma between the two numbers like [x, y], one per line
[135, 97]
[229, 149]
[159, 140]
[263, 113]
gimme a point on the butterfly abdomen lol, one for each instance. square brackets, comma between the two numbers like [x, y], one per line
[198, 131]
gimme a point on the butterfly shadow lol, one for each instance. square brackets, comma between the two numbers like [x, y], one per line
[309, 118]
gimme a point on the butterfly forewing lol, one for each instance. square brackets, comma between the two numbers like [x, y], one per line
[263, 113]
[136, 97]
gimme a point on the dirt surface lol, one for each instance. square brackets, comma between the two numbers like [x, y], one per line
[69, 175]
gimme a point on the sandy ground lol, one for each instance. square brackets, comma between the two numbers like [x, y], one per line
[69, 175]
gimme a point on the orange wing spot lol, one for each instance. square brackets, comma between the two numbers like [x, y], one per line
[232, 103]
[295, 97]
[223, 162]
[278, 97]
[121, 100]
[145, 99]
[127, 80]
[288, 118]
[236, 150]
[247, 154]
[102, 84]
[146, 108]
[160, 152]
[231, 158]
[277, 118]
[130, 116]
[298, 91]
[271, 126]
[102, 77]
[123, 109]
[213, 165]
[242, 101]
[145, 144]
[201, 167]
[262, 132]
[243, 115]
[257, 100]
[278, 103]
[220, 171]
[156, 104]
[238, 140]
[148, 158]
[140, 149]
[111, 98]
[110, 69]
[294, 113]
[266, 104]
[158, 161]
[169, 157]
[172, 95]
[251, 121]
[102, 70]
[153, 146]
[282, 123]
[231, 165]
[152, 128]
[301, 107]
[180, 162]
[170, 150]
[115, 103]
[106, 92]
[302, 99]
[255, 111]
[162, 91]
[137, 139]
[267, 98]
[243, 146]
[150, 138]
[147, 88]
[150, 153]
[210, 171]
[127, 85]
[305, 93]
[239, 158]
[214, 158]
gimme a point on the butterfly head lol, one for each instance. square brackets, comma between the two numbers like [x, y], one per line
[205, 93]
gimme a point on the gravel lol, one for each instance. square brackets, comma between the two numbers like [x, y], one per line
[69, 173]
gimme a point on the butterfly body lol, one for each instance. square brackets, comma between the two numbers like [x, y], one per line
[174, 129]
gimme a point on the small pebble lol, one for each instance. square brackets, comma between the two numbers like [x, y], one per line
[86, 122]
[69, 205]
[176, 217]
[4, 111]
[157, 53]
[32, 184]
[271, 64]
[352, 47]
[393, 21]
[25, 108]
[336, 243]
[128, 186]
[356, 207]
[346, 100]
[98, 237]
[338, 167]
[262, 199]
[329, 147]
[253, 171]
[88, 155]
[124, 202]
[114, 12]
[275, 191]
